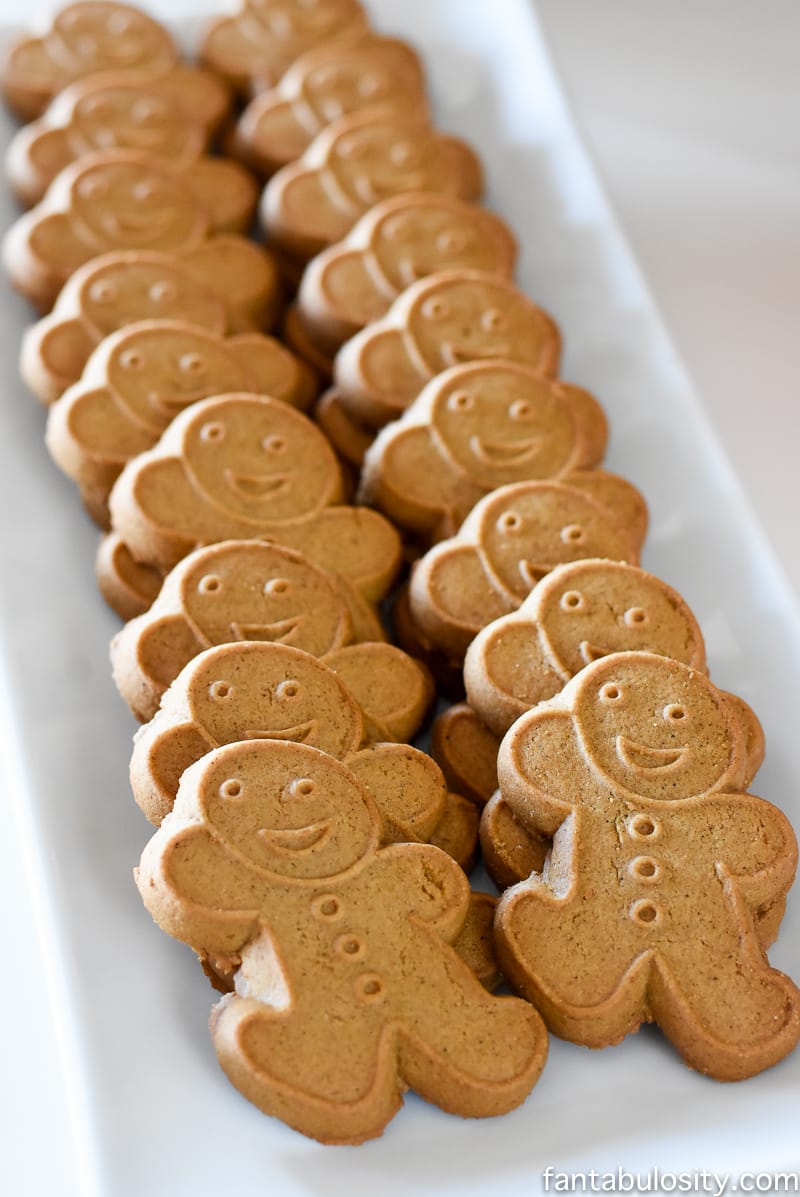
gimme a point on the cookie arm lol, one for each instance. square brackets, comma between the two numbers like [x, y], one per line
[147, 656]
[429, 885]
[751, 840]
[273, 131]
[53, 355]
[408, 789]
[162, 752]
[377, 375]
[158, 514]
[36, 155]
[340, 293]
[540, 770]
[353, 541]
[392, 689]
[405, 476]
[196, 890]
[452, 597]
[506, 673]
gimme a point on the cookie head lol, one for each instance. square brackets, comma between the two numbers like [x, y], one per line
[258, 459]
[125, 289]
[379, 156]
[102, 36]
[436, 233]
[529, 528]
[157, 369]
[271, 692]
[654, 727]
[591, 609]
[502, 423]
[457, 319]
[374, 74]
[132, 205]
[124, 117]
[292, 810]
[244, 590]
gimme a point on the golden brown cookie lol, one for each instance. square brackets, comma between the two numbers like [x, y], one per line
[172, 118]
[353, 164]
[128, 587]
[231, 592]
[510, 540]
[139, 378]
[392, 246]
[272, 691]
[121, 199]
[227, 285]
[247, 466]
[83, 39]
[273, 851]
[321, 86]
[645, 909]
[472, 429]
[445, 320]
[254, 46]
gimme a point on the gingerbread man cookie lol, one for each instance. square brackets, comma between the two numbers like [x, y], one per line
[271, 691]
[645, 908]
[249, 466]
[320, 87]
[252, 48]
[230, 592]
[474, 428]
[353, 164]
[140, 378]
[227, 285]
[274, 851]
[172, 118]
[122, 199]
[391, 247]
[509, 541]
[446, 320]
[82, 40]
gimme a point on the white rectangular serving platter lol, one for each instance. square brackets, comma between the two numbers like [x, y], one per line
[151, 1111]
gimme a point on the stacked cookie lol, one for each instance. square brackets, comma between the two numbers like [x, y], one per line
[311, 856]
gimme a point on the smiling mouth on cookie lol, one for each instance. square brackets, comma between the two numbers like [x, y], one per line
[372, 191]
[504, 453]
[456, 354]
[642, 757]
[298, 733]
[280, 632]
[295, 840]
[138, 226]
[252, 487]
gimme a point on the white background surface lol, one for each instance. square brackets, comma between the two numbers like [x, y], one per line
[692, 112]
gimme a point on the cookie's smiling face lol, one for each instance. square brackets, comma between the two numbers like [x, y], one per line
[380, 158]
[527, 531]
[127, 205]
[259, 460]
[431, 236]
[129, 118]
[158, 371]
[270, 692]
[502, 425]
[126, 290]
[654, 727]
[591, 609]
[101, 36]
[251, 591]
[459, 320]
[290, 809]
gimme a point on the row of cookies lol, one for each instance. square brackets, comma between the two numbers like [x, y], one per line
[381, 375]
[125, 388]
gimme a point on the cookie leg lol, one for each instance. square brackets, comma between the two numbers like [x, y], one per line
[728, 1013]
[589, 984]
[339, 1087]
[463, 1049]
